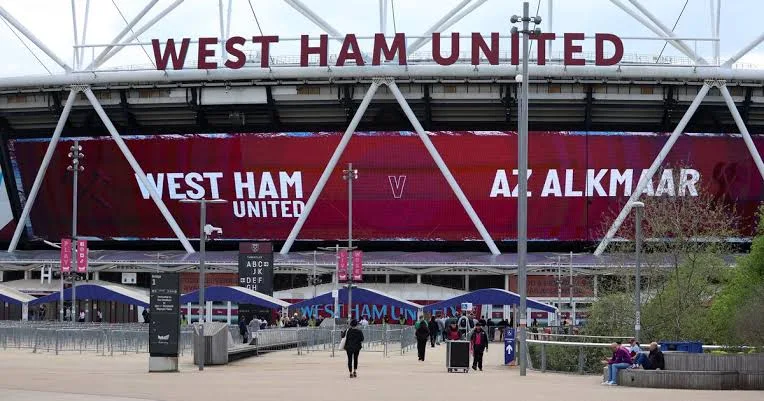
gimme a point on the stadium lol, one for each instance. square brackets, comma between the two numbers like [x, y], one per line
[271, 123]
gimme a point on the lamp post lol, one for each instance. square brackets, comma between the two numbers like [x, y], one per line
[522, 199]
[638, 208]
[204, 231]
[349, 175]
[75, 153]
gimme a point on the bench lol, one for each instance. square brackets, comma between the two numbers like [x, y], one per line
[689, 379]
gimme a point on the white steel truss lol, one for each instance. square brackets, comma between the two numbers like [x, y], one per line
[75, 89]
[427, 143]
[670, 143]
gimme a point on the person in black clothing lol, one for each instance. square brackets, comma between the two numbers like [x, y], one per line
[479, 342]
[243, 328]
[422, 335]
[433, 327]
[653, 360]
[353, 345]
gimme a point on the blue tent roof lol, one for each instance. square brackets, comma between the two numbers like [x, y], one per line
[13, 296]
[98, 292]
[490, 296]
[240, 295]
[365, 296]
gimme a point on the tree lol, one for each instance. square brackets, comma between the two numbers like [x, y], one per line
[685, 253]
[735, 309]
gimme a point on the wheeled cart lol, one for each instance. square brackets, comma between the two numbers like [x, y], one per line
[458, 356]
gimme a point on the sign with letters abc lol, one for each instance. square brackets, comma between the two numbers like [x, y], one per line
[256, 266]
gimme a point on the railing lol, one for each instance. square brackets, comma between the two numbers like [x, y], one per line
[81, 337]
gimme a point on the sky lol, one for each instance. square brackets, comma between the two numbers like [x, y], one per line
[51, 22]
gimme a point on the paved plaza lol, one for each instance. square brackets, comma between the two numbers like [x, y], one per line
[317, 376]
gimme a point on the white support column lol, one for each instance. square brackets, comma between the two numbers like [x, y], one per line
[43, 168]
[135, 34]
[653, 168]
[506, 282]
[666, 30]
[387, 278]
[743, 51]
[27, 274]
[96, 275]
[76, 60]
[657, 31]
[419, 279]
[24, 31]
[208, 311]
[467, 282]
[743, 129]
[382, 16]
[443, 167]
[188, 313]
[228, 312]
[307, 12]
[228, 20]
[138, 170]
[81, 50]
[100, 58]
[550, 27]
[717, 44]
[330, 166]
[25, 311]
[596, 285]
[448, 24]
[222, 30]
[436, 26]
[2, 276]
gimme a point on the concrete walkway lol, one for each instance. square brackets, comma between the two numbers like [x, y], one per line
[317, 376]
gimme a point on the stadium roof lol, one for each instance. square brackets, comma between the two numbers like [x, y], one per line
[490, 296]
[99, 292]
[13, 296]
[234, 294]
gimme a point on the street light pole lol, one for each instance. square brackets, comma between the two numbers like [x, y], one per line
[522, 200]
[202, 245]
[638, 208]
[349, 175]
[75, 153]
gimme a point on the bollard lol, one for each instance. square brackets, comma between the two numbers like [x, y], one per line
[543, 358]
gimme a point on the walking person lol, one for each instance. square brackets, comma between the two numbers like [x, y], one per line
[479, 343]
[243, 328]
[433, 327]
[422, 335]
[353, 345]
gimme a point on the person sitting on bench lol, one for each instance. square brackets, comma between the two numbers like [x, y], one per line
[652, 361]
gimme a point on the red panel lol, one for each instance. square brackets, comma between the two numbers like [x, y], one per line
[400, 193]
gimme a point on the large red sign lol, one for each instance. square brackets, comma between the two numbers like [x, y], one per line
[166, 52]
[577, 182]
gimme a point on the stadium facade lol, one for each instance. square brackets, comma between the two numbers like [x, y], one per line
[261, 135]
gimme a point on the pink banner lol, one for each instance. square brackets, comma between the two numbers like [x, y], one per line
[358, 266]
[82, 256]
[66, 255]
[342, 266]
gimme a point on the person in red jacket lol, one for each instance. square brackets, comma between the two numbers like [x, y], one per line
[452, 332]
[479, 342]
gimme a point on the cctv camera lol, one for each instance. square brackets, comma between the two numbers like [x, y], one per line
[209, 230]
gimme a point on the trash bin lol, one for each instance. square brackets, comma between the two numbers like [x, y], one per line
[692, 347]
[458, 356]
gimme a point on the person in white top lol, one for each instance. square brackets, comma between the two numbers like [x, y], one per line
[364, 322]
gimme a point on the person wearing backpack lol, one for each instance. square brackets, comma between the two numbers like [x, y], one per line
[353, 344]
